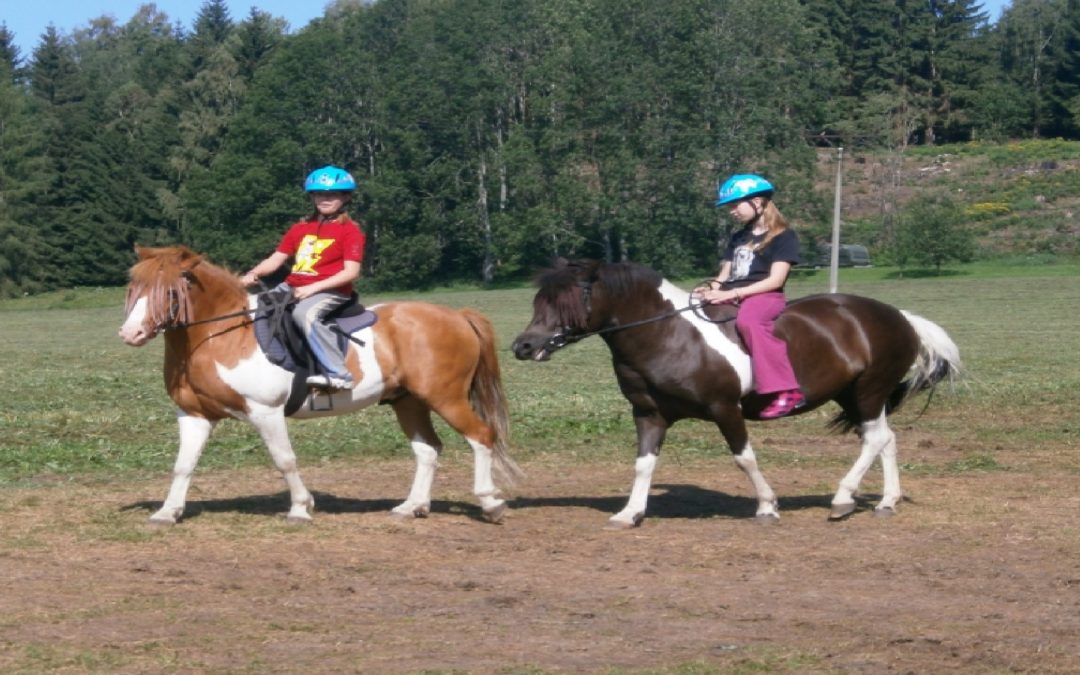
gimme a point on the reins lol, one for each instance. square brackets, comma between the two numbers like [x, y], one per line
[179, 325]
[560, 340]
[188, 324]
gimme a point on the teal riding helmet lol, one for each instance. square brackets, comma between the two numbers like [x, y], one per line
[330, 179]
[741, 186]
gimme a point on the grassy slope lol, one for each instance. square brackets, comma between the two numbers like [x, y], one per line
[1020, 198]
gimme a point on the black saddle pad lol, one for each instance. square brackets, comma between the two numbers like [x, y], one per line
[281, 339]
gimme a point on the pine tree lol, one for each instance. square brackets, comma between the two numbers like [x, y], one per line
[1063, 93]
[1028, 30]
[20, 173]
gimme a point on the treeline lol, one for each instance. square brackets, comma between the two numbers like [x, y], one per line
[490, 135]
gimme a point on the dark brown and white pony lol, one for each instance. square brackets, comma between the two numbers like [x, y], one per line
[863, 354]
[418, 358]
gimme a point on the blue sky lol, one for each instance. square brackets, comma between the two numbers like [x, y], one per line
[29, 18]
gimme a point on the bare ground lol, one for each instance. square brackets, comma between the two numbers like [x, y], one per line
[979, 573]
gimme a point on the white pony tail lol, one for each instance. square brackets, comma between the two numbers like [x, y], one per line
[938, 359]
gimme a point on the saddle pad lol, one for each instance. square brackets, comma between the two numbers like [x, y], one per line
[284, 345]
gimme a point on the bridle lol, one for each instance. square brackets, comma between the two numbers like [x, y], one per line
[566, 336]
[172, 321]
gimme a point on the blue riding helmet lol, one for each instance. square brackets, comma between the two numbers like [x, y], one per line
[330, 179]
[741, 186]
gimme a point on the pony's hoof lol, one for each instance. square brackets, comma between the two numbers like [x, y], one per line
[841, 511]
[618, 524]
[884, 512]
[402, 515]
[495, 514]
[160, 523]
[767, 519]
[298, 520]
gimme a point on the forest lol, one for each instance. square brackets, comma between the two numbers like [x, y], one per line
[489, 136]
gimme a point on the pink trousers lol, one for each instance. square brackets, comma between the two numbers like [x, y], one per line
[768, 353]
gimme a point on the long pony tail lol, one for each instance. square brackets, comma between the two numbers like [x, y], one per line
[938, 361]
[489, 399]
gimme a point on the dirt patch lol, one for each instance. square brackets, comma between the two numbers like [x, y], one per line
[980, 573]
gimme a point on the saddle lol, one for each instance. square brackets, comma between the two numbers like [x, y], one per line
[284, 345]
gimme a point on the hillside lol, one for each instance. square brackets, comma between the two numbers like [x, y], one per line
[1020, 199]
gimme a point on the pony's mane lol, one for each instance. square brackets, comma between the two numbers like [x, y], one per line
[163, 276]
[624, 280]
[561, 289]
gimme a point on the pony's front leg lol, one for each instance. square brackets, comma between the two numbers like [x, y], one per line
[194, 431]
[275, 434]
[733, 427]
[651, 431]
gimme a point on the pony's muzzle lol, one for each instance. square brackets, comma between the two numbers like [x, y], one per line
[136, 334]
[530, 347]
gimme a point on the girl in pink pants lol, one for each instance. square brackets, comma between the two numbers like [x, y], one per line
[752, 274]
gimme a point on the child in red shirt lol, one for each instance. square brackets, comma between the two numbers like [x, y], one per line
[327, 250]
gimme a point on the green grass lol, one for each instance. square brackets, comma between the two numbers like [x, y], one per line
[81, 404]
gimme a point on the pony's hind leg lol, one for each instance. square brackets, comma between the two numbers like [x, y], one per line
[194, 431]
[877, 439]
[415, 420]
[460, 415]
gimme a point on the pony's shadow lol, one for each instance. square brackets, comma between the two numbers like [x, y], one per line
[667, 501]
[681, 500]
[278, 504]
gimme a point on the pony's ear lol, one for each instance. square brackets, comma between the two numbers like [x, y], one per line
[143, 252]
[188, 259]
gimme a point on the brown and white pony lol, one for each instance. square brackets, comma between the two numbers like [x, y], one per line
[418, 358]
[670, 364]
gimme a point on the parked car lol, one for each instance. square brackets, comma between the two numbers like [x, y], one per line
[851, 255]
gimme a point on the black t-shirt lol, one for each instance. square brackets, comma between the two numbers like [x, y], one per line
[748, 265]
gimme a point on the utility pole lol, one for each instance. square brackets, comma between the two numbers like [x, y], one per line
[834, 257]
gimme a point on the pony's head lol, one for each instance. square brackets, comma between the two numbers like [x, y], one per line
[159, 292]
[576, 297]
[560, 309]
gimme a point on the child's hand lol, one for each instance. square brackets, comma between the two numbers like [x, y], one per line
[249, 279]
[717, 296]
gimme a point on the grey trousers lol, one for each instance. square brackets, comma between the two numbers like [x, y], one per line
[308, 314]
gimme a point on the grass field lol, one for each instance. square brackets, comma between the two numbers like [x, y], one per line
[80, 402]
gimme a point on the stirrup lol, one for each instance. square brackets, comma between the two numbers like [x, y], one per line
[330, 382]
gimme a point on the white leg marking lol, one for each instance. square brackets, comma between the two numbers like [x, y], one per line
[634, 511]
[193, 434]
[271, 426]
[483, 484]
[891, 494]
[747, 461]
[876, 438]
[418, 504]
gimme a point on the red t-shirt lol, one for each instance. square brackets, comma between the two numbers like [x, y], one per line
[321, 249]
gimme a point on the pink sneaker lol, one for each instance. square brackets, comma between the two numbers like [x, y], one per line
[784, 403]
